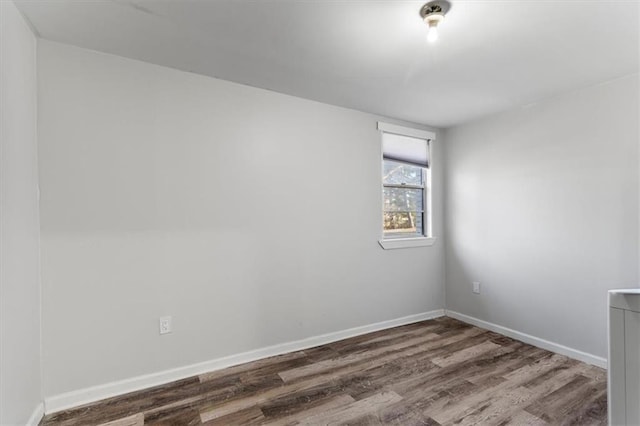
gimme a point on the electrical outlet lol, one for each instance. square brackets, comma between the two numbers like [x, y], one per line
[476, 287]
[165, 325]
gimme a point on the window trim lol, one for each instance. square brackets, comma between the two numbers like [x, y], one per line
[425, 240]
[400, 243]
[405, 131]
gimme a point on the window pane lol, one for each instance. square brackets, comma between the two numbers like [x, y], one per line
[402, 224]
[395, 173]
[402, 199]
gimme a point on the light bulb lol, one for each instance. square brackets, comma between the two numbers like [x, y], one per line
[432, 33]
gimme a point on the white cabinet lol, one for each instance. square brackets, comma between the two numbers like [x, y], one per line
[624, 357]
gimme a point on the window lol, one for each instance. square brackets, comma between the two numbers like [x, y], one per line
[403, 200]
[406, 179]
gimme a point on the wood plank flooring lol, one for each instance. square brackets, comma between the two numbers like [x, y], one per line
[437, 372]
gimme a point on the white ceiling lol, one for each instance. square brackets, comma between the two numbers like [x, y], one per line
[367, 55]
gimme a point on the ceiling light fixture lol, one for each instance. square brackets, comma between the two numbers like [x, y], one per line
[433, 13]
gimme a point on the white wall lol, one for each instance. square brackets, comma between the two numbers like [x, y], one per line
[249, 216]
[20, 389]
[542, 209]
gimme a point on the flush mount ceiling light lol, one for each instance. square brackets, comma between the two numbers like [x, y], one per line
[433, 13]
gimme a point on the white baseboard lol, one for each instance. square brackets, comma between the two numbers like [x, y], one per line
[532, 340]
[83, 396]
[37, 415]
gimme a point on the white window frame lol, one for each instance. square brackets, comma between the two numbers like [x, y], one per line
[428, 239]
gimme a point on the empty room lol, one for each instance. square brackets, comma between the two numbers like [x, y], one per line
[314, 212]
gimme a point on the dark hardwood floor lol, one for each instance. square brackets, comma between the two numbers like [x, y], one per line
[434, 372]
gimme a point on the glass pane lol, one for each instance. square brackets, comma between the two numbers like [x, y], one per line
[402, 199]
[402, 224]
[395, 173]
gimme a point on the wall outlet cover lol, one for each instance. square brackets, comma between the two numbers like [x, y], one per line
[165, 325]
[476, 287]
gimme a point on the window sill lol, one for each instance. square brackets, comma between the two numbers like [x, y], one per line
[399, 243]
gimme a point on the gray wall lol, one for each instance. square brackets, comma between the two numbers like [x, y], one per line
[249, 216]
[20, 390]
[542, 209]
